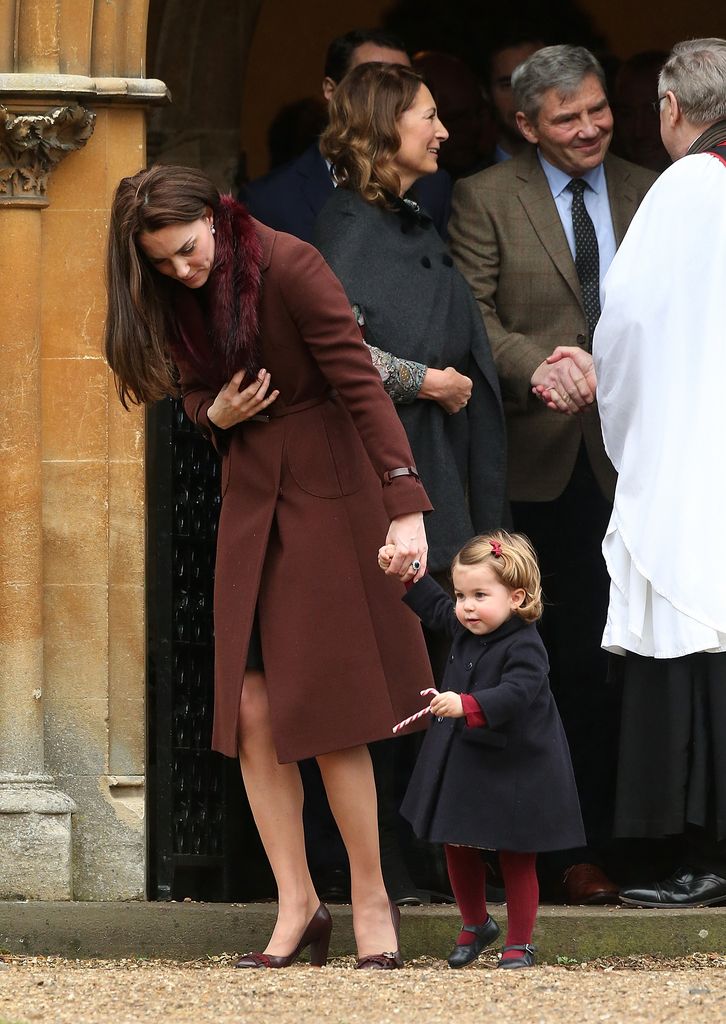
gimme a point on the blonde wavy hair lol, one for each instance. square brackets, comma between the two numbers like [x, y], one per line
[513, 560]
[362, 136]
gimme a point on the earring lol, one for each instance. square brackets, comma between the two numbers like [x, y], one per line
[211, 227]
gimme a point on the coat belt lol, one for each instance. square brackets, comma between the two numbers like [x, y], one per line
[288, 410]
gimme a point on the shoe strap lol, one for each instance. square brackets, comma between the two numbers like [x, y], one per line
[475, 929]
[527, 948]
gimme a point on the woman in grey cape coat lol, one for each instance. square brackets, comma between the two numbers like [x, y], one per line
[426, 334]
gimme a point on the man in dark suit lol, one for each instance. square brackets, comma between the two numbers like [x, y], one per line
[290, 197]
[534, 236]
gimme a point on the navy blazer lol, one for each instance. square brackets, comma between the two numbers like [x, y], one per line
[290, 197]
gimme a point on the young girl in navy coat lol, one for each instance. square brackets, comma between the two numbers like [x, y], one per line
[494, 771]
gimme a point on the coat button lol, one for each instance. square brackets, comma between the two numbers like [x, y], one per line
[482, 643]
[451, 658]
[469, 666]
[426, 262]
[581, 339]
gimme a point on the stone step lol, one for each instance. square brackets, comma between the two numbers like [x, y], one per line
[188, 931]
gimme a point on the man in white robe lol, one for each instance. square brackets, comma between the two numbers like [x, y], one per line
[660, 361]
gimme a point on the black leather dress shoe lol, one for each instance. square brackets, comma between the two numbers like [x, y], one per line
[684, 888]
[483, 934]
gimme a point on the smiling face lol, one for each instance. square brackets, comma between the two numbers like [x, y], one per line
[483, 603]
[183, 251]
[572, 133]
[421, 135]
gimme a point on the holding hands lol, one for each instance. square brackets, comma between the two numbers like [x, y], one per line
[235, 404]
[405, 551]
[566, 380]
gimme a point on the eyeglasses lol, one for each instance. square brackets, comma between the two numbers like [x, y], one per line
[655, 104]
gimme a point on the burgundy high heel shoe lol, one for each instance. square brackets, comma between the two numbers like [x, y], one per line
[385, 961]
[316, 935]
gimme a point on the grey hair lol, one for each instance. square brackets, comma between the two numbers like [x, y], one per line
[695, 73]
[562, 68]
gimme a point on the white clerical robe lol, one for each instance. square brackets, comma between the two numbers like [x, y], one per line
[660, 359]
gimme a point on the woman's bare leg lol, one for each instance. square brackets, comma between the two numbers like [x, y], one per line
[349, 783]
[275, 794]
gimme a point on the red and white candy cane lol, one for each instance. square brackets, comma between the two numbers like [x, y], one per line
[419, 714]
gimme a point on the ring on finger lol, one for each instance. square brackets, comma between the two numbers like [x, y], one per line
[415, 565]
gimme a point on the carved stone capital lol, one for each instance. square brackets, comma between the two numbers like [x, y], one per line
[32, 144]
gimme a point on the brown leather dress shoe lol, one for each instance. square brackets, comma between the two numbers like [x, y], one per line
[316, 935]
[588, 885]
[385, 961]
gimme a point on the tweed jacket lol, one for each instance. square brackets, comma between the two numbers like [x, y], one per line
[507, 785]
[305, 507]
[508, 240]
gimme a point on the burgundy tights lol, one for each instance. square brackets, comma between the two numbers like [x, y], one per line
[467, 874]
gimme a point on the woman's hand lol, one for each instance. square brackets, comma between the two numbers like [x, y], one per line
[232, 405]
[451, 389]
[405, 544]
[447, 705]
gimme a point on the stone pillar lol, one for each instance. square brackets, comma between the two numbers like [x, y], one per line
[72, 503]
[35, 817]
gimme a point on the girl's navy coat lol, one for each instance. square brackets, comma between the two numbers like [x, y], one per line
[508, 785]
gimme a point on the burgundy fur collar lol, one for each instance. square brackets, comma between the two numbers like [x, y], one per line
[225, 312]
[234, 287]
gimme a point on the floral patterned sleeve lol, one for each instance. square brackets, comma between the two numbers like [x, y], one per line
[402, 378]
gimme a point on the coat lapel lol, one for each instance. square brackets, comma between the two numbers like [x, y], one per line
[536, 198]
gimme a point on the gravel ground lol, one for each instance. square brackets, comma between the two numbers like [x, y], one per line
[632, 990]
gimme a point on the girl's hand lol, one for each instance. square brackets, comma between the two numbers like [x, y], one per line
[407, 537]
[235, 404]
[447, 705]
[385, 556]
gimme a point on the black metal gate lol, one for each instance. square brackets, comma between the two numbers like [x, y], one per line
[202, 841]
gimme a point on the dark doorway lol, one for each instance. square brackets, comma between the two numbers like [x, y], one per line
[202, 840]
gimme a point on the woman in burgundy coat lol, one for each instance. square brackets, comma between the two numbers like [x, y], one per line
[315, 656]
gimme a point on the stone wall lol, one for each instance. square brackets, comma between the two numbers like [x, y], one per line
[72, 750]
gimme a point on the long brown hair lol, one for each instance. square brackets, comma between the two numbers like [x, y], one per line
[362, 136]
[138, 319]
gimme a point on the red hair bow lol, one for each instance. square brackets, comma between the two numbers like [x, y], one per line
[496, 548]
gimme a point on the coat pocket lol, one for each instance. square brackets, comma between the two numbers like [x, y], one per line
[484, 737]
[325, 454]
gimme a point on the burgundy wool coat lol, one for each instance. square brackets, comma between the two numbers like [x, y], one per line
[304, 511]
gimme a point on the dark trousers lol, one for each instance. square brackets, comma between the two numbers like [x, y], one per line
[567, 534]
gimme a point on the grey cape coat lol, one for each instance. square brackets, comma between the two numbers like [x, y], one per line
[508, 785]
[394, 265]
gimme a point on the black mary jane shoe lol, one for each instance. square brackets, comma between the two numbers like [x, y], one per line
[484, 935]
[525, 960]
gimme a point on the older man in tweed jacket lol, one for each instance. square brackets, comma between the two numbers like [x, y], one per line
[534, 237]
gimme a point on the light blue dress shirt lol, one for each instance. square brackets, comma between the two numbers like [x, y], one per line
[596, 203]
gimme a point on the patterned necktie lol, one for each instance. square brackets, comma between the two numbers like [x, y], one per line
[587, 255]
